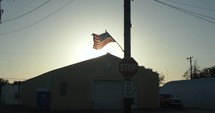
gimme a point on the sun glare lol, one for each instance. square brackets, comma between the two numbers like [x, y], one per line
[93, 53]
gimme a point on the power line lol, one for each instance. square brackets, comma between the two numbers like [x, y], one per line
[26, 13]
[37, 21]
[212, 18]
[22, 8]
[207, 9]
[197, 15]
[200, 16]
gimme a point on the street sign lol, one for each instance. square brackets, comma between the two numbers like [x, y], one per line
[128, 89]
[128, 67]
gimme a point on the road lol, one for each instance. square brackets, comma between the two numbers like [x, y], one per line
[18, 109]
[163, 111]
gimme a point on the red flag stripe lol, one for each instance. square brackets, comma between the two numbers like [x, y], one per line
[100, 45]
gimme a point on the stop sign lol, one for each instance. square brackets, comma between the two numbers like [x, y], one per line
[128, 67]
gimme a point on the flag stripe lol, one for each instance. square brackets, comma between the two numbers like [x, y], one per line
[103, 43]
[101, 40]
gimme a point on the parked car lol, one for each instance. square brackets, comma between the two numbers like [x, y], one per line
[168, 100]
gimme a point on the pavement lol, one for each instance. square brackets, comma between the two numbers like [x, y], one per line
[166, 110]
[24, 109]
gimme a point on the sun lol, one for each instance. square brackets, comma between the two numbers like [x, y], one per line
[93, 53]
[90, 53]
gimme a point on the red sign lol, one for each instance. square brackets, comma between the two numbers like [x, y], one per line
[128, 67]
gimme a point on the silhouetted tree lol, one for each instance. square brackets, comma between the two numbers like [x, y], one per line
[161, 79]
[186, 75]
[16, 82]
[195, 72]
[207, 72]
[3, 82]
[212, 71]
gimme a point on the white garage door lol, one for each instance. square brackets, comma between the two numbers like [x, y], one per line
[107, 94]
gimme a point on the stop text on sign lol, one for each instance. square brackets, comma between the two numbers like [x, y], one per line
[128, 67]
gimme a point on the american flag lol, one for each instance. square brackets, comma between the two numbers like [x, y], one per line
[101, 40]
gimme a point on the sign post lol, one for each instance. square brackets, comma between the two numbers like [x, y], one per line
[128, 67]
[128, 89]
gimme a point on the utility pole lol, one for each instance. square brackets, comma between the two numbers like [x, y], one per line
[127, 48]
[127, 28]
[191, 67]
[1, 11]
[128, 67]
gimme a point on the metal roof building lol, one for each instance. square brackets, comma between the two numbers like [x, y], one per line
[195, 93]
[91, 84]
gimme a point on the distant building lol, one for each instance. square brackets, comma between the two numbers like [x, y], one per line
[10, 95]
[91, 84]
[195, 93]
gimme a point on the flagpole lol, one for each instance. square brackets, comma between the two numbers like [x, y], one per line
[116, 42]
[119, 46]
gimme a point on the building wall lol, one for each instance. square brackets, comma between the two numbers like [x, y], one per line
[10, 94]
[107, 94]
[30, 88]
[71, 86]
[79, 80]
[196, 93]
[147, 85]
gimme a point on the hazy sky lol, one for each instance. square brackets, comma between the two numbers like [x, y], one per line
[47, 38]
